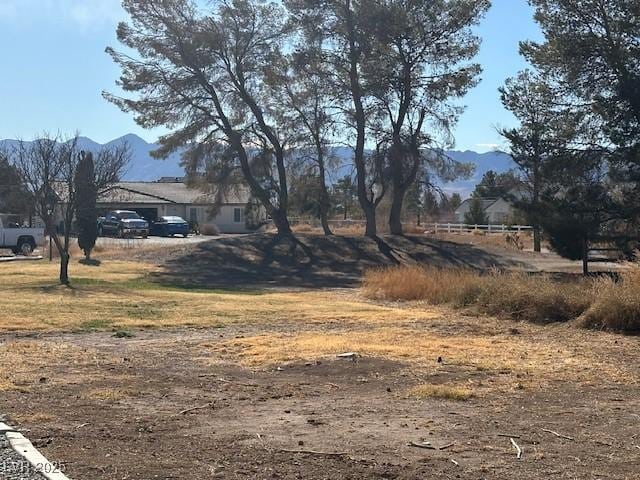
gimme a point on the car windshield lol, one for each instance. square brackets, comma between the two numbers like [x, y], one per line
[128, 216]
[173, 220]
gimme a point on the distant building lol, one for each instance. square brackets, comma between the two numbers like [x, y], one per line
[172, 197]
[499, 211]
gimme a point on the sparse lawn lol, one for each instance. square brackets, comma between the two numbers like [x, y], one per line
[118, 295]
[121, 366]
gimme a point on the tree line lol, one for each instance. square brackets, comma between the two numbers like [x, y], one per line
[259, 92]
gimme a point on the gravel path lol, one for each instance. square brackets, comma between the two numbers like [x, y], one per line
[13, 466]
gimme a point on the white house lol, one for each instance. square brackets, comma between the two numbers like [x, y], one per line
[498, 210]
[172, 197]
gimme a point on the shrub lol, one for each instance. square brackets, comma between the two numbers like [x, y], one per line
[435, 286]
[519, 296]
[616, 304]
[537, 299]
[209, 229]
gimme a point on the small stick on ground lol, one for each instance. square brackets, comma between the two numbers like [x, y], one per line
[421, 445]
[224, 380]
[444, 447]
[517, 447]
[454, 462]
[315, 452]
[508, 435]
[559, 435]
[200, 407]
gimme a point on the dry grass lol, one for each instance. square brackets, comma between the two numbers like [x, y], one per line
[535, 358]
[437, 286]
[615, 304]
[444, 392]
[119, 295]
[110, 394]
[532, 298]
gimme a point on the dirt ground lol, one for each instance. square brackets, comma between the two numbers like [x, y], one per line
[266, 396]
[195, 404]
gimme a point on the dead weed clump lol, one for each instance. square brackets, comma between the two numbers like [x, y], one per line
[436, 286]
[536, 299]
[533, 298]
[616, 303]
[443, 392]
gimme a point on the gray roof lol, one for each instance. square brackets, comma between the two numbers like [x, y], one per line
[133, 193]
[486, 202]
[165, 192]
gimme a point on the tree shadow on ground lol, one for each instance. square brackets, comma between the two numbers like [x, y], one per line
[311, 261]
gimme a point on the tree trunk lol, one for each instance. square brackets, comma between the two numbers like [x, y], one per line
[395, 214]
[370, 217]
[325, 221]
[585, 256]
[281, 222]
[64, 268]
[536, 239]
[325, 201]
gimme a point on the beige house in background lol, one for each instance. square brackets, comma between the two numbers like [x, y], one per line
[172, 197]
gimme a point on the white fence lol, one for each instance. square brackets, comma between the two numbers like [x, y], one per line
[464, 228]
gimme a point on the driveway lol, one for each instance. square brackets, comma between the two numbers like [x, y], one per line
[168, 241]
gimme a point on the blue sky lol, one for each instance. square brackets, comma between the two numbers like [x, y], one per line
[53, 69]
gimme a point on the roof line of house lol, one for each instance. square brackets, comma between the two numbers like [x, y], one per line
[146, 194]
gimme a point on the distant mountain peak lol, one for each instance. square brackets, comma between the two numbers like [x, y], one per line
[145, 168]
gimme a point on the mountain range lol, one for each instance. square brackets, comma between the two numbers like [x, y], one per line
[143, 167]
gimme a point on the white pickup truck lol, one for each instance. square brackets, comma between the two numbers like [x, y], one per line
[20, 240]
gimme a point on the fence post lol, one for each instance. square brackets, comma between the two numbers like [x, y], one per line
[448, 228]
[436, 228]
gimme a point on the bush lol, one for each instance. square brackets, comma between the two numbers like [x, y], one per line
[535, 299]
[433, 285]
[519, 296]
[616, 304]
[209, 229]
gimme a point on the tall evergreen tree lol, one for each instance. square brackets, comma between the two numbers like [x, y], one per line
[424, 52]
[476, 214]
[591, 52]
[200, 70]
[547, 129]
[86, 197]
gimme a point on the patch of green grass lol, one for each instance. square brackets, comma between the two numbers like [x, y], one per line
[144, 283]
[143, 312]
[95, 324]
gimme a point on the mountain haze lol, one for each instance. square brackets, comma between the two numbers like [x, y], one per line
[143, 167]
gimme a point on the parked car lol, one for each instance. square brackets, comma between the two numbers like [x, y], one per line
[123, 223]
[170, 226]
[21, 240]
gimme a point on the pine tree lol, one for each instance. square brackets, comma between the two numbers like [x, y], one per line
[86, 213]
[476, 214]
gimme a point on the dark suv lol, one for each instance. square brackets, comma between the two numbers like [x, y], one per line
[123, 223]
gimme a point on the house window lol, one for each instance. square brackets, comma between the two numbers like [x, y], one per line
[238, 215]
